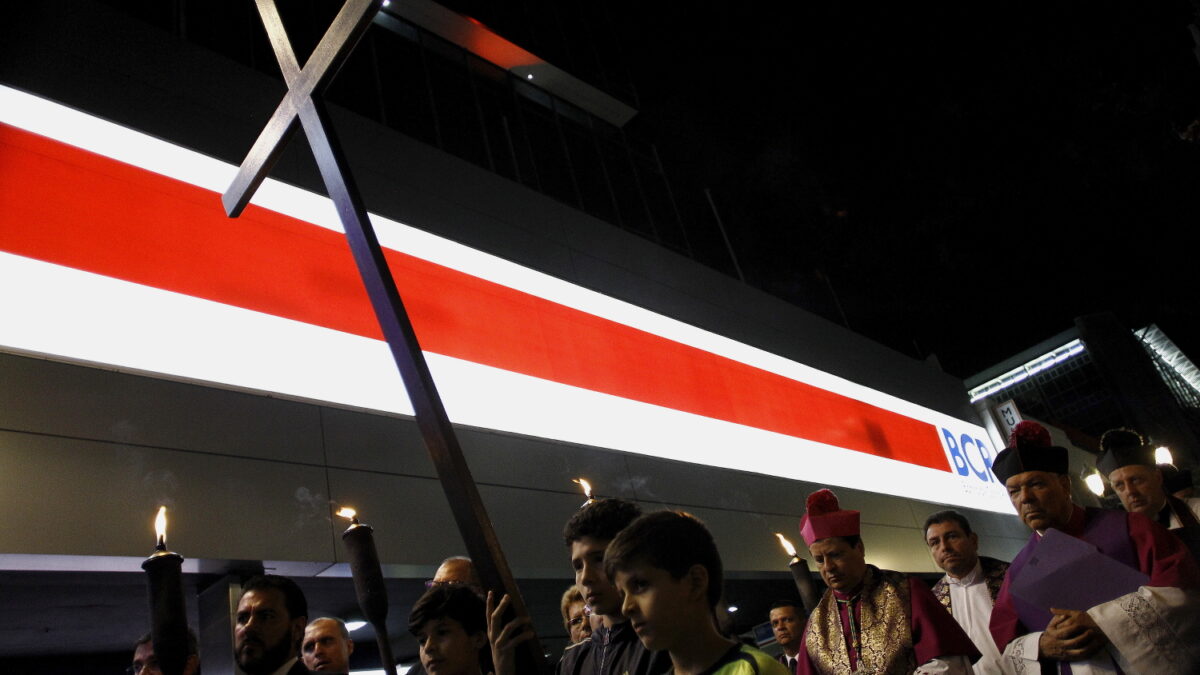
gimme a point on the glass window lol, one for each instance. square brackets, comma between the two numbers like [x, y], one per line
[403, 85]
[459, 129]
[546, 149]
[357, 85]
[585, 161]
[496, 109]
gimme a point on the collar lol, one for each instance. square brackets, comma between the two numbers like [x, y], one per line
[970, 578]
[620, 632]
[286, 666]
[847, 597]
[1074, 525]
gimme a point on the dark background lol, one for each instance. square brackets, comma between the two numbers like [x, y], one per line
[964, 179]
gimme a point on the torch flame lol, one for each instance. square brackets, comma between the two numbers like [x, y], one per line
[787, 545]
[587, 487]
[347, 512]
[160, 525]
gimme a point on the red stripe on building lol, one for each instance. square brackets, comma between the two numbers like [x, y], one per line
[70, 207]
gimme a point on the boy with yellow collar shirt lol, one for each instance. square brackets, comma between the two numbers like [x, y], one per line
[667, 566]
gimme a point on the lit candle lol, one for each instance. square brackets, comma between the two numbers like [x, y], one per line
[587, 490]
[788, 547]
[800, 574]
[349, 514]
[168, 614]
[368, 582]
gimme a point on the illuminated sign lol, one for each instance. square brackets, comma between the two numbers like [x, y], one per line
[123, 256]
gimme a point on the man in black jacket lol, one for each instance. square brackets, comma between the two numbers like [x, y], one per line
[271, 616]
[613, 649]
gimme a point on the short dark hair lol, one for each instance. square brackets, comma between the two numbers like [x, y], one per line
[293, 597]
[449, 602]
[600, 519]
[672, 541]
[193, 644]
[946, 516]
[787, 603]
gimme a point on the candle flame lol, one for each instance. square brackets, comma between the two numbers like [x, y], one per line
[1162, 455]
[787, 545]
[347, 512]
[160, 525]
[587, 487]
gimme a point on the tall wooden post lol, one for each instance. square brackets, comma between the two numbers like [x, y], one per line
[301, 106]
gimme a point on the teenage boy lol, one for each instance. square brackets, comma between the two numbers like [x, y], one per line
[450, 624]
[668, 568]
[454, 630]
[613, 649]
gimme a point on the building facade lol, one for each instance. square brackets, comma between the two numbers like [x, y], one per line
[1097, 376]
[155, 352]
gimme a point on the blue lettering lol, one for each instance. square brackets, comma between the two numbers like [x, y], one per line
[960, 463]
[986, 453]
[965, 441]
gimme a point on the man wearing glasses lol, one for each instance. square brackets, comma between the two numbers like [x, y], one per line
[456, 570]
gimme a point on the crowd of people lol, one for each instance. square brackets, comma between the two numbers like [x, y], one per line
[1093, 591]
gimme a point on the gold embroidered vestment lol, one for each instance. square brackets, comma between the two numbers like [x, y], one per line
[884, 627]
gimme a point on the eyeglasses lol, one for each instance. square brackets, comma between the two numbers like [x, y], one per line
[433, 583]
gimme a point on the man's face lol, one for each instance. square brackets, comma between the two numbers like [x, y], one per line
[1042, 499]
[1140, 489]
[146, 663]
[788, 628]
[324, 648]
[841, 565]
[447, 648]
[587, 559]
[953, 550]
[577, 622]
[265, 637]
[657, 606]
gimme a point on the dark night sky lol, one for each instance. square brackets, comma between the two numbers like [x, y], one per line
[968, 178]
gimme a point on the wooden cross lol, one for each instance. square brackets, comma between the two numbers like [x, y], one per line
[302, 105]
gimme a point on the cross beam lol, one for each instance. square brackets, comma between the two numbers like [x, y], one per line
[302, 105]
